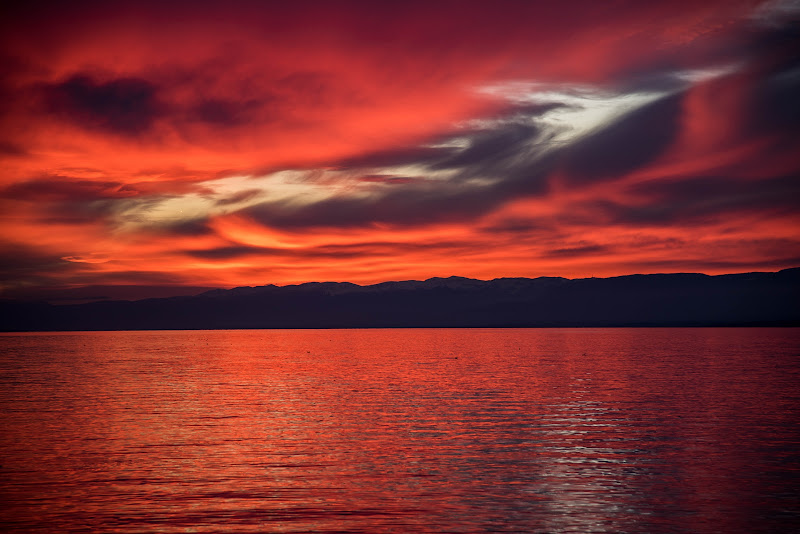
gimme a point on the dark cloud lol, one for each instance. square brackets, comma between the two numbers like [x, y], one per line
[226, 253]
[517, 226]
[181, 179]
[77, 213]
[191, 227]
[334, 251]
[628, 144]
[332, 212]
[125, 106]
[657, 78]
[384, 248]
[241, 251]
[224, 113]
[776, 107]
[489, 148]
[24, 264]
[691, 201]
[132, 106]
[757, 192]
[411, 204]
[66, 200]
[578, 251]
[55, 188]
[690, 197]
[394, 157]
[533, 109]
[389, 179]
[241, 196]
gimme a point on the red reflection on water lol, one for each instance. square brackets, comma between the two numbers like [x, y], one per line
[590, 430]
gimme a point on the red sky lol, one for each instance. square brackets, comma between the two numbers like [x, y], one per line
[147, 148]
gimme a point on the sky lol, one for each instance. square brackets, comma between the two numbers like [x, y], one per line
[157, 148]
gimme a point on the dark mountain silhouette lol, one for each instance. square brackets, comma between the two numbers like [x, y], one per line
[748, 299]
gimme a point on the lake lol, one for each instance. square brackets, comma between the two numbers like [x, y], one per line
[658, 430]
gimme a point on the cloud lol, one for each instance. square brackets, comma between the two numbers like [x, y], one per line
[579, 250]
[365, 250]
[486, 163]
[188, 227]
[55, 188]
[228, 252]
[126, 106]
[775, 104]
[494, 147]
[239, 197]
[516, 226]
[389, 180]
[394, 157]
[133, 106]
[224, 113]
[460, 177]
[631, 142]
[24, 265]
[95, 257]
[690, 200]
[414, 203]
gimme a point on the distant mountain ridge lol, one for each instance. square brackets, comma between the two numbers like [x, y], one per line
[684, 299]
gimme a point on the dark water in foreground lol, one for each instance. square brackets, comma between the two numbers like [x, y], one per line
[563, 430]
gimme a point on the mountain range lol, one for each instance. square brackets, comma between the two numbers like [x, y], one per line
[684, 299]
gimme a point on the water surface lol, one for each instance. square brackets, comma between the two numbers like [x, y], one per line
[428, 430]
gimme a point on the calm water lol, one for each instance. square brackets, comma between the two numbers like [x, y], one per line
[535, 430]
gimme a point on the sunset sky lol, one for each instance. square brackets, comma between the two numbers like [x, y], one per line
[154, 148]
